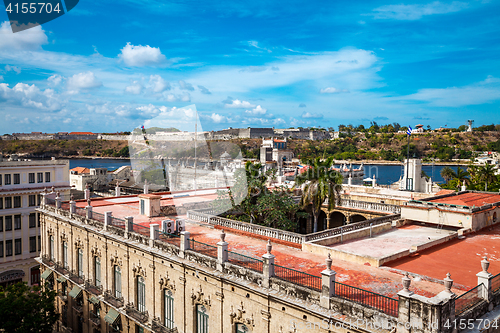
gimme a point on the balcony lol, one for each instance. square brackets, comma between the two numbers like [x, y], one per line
[95, 319]
[90, 286]
[61, 269]
[73, 275]
[78, 308]
[62, 296]
[157, 327]
[110, 298]
[131, 310]
[47, 260]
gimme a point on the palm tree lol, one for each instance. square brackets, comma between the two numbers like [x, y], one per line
[447, 173]
[461, 176]
[487, 174]
[321, 183]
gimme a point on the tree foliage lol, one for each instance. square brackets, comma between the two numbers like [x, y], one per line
[27, 309]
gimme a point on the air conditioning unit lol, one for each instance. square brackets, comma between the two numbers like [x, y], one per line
[169, 226]
[181, 225]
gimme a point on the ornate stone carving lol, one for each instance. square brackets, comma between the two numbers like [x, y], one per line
[79, 243]
[64, 236]
[197, 297]
[95, 251]
[166, 283]
[238, 316]
[115, 259]
[138, 269]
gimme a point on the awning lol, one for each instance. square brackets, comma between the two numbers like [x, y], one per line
[75, 292]
[61, 279]
[112, 316]
[94, 300]
[46, 274]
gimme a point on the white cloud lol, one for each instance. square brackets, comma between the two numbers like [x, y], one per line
[13, 69]
[204, 90]
[237, 104]
[27, 40]
[138, 55]
[185, 86]
[416, 12]
[1, 77]
[30, 96]
[184, 97]
[55, 80]
[135, 88]
[218, 119]
[84, 81]
[258, 111]
[332, 90]
[158, 84]
[308, 115]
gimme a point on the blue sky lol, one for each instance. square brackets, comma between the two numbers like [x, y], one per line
[107, 67]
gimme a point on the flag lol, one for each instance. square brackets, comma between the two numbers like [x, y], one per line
[142, 126]
[409, 130]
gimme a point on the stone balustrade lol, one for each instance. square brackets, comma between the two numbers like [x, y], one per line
[370, 206]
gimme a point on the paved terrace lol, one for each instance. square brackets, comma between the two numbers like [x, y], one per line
[366, 277]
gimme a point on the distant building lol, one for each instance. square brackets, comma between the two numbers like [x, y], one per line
[21, 183]
[97, 177]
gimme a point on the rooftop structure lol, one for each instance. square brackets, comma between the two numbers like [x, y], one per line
[123, 270]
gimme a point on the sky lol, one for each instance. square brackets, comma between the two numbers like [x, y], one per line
[109, 66]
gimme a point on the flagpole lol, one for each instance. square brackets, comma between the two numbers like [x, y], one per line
[408, 157]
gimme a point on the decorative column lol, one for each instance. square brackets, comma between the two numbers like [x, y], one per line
[58, 201]
[484, 277]
[89, 209]
[327, 283]
[117, 190]
[222, 255]
[107, 220]
[129, 225]
[72, 205]
[154, 230]
[87, 192]
[328, 221]
[404, 304]
[268, 265]
[146, 187]
[184, 243]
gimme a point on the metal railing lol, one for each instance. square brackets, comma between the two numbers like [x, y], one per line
[297, 277]
[117, 222]
[158, 327]
[467, 300]
[244, 261]
[495, 283]
[117, 302]
[169, 238]
[382, 303]
[351, 227]
[98, 216]
[203, 248]
[143, 230]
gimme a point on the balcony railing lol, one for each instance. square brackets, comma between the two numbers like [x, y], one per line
[132, 311]
[95, 319]
[62, 296]
[157, 327]
[79, 279]
[78, 308]
[90, 286]
[109, 297]
[61, 269]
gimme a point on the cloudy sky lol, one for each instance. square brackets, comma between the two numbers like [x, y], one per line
[111, 66]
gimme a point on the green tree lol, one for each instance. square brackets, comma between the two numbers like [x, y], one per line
[462, 176]
[487, 175]
[27, 309]
[448, 174]
[321, 183]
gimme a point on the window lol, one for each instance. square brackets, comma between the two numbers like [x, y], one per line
[47, 177]
[39, 177]
[17, 201]
[139, 329]
[17, 222]
[8, 223]
[33, 244]
[1, 202]
[169, 308]
[39, 243]
[32, 200]
[1, 223]
[1, 249]
[201, 319]
[38, 199]
[8, 202]
[18, 246]
[17, 178]
[65, 255]
[97, 270]
[118, 282]
[8, 248]
[35, 275]
[241, 328]
[80, 262]
[7, 179]
[141, 294]
[0, 180]
[31, 177]
[51, 248]
[38, 219]
[32, 220]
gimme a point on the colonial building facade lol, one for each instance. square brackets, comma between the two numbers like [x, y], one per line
[21, 184]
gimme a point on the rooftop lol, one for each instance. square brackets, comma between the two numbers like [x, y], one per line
[81, 170]
[469, 199]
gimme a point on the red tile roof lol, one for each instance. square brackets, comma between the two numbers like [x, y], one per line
[470, 199]
[82, 133]
[81, 170]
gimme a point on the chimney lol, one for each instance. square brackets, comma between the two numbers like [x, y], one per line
[149, 204]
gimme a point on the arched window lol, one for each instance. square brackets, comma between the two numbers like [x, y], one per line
[169, 308]
[201, 319]
[65, 254]
[141, 294]
[97, 271]
[118, 281]
[51, 248]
